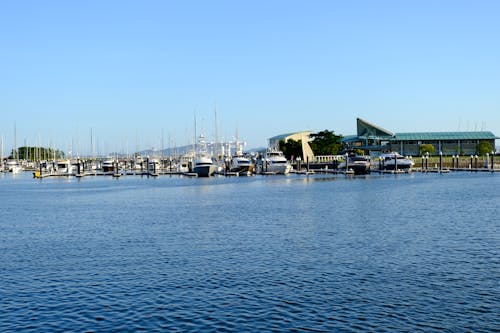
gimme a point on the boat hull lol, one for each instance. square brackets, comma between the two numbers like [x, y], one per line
[204, 170]
[243, 169]
[400, 166]
[357, 168]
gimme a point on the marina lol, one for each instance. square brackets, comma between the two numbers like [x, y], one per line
[241, 165]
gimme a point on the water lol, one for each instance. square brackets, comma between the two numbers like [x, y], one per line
[279, 253]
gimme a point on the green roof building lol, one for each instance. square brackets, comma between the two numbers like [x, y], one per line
[376, 140]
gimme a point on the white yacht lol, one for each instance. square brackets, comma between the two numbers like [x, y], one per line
[64, 167]
[241, 165]
[275, 162]
[395, 161]
[359, 164]
[13, 166]
[108, 165]
[203, 166]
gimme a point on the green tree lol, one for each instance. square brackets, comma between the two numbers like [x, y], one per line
[484, 147]
[427, 148]
[360, 152]
[30, 153]
[291, 148]
[326, 143]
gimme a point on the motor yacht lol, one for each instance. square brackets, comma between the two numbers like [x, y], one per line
[275, 162]
[241, 165]
[359, 164]
[395, 161]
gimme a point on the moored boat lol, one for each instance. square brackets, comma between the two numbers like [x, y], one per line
[241, 165]
[359, 164]
[204, 166]
[108, 165]
[275, 162]
[395, 161]
[13, 166]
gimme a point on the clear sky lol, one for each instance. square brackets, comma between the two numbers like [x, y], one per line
[132, 70]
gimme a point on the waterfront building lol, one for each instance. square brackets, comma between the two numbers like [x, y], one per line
[375, 140]
[304, 137]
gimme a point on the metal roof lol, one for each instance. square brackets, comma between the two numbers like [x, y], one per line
[429, 136]
[366, 129]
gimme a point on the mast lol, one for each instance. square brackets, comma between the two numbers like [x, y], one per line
[162, 144]
[91, 144]
[1, 153]
[216, 148]
[15, 152]
[195, 137]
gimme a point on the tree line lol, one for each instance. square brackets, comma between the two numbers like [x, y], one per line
[36, 153]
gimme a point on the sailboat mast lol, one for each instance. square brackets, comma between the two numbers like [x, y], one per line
[15, 153]
[91, 145]
[217, 150]
[195, 137]
[1, 152]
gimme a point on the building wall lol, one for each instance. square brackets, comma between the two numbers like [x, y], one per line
[449, 147]
[304, 137]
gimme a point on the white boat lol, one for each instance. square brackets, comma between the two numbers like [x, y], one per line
[154, 166]
[108, 165]
[184, 164]
[241, 165]
[275, 162]
[64, 167]
[203, 166]
[13, 166]
[359, 164]
[395, 161]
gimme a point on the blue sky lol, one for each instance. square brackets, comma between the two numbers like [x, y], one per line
[132, 70]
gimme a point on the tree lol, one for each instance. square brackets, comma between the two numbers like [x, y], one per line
[484, 147]
[360, 152]
[291, 148]
[326, 143]
[30, 153]
[427, 148]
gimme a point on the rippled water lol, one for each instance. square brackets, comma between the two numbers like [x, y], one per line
[285, 253]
